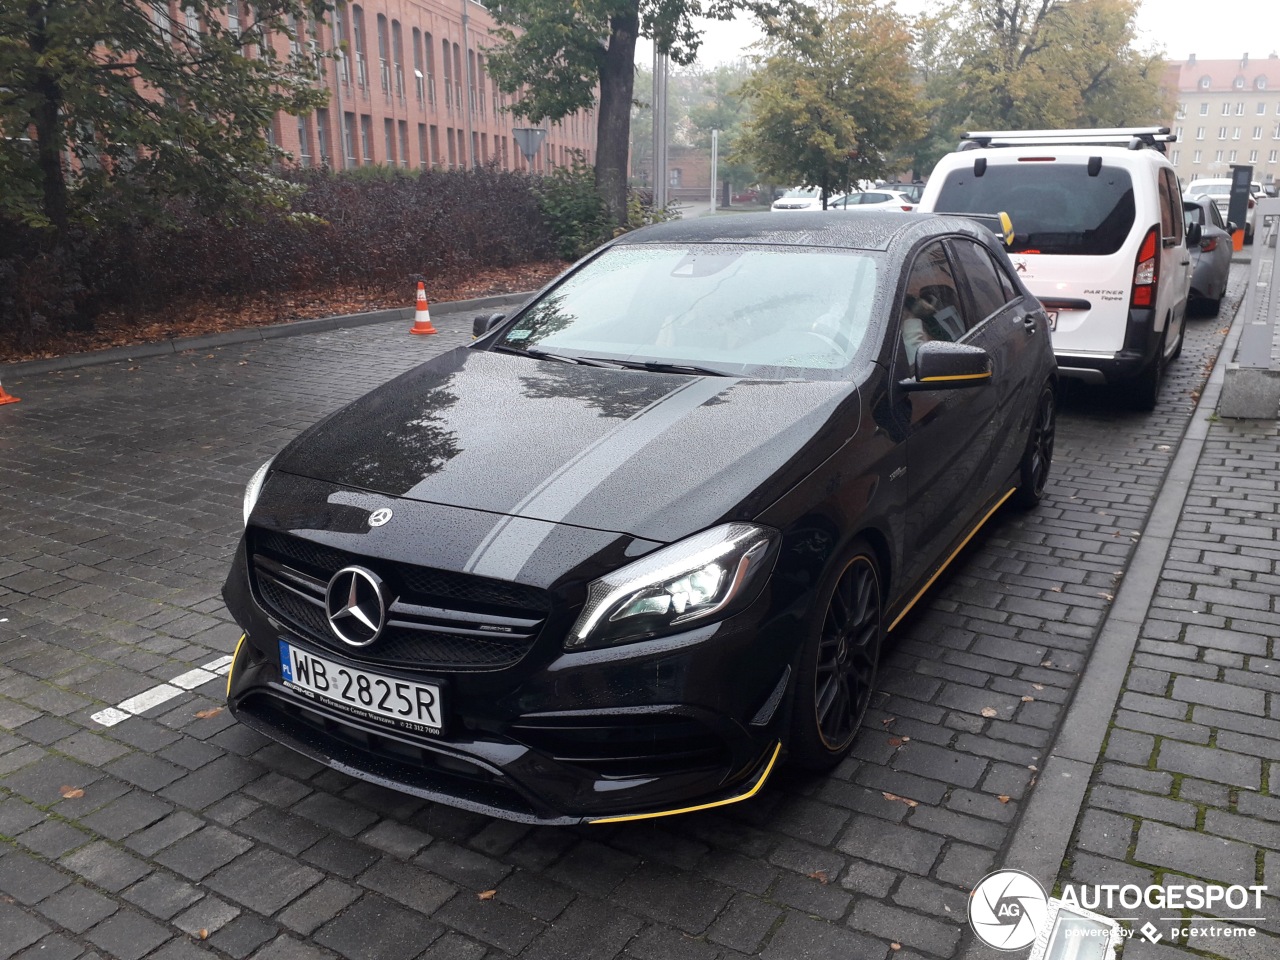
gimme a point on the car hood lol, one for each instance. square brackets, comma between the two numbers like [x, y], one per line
[655, 455]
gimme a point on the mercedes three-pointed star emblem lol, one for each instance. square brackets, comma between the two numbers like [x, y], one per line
[356, 605]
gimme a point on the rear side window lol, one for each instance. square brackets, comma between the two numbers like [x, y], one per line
[984, 282]
[1170, 203]
[1055, 207]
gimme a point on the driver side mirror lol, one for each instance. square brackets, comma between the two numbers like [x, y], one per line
[941, 365]
[483, 324]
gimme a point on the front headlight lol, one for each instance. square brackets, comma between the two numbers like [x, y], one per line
[714, 572]
[254, 488]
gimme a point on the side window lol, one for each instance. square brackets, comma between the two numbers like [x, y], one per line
[1170, 204]
[931, 308]
[984, 283]
[1010, 288]
[1216, 215]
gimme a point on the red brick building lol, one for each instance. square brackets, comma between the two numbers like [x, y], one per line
[412, 90]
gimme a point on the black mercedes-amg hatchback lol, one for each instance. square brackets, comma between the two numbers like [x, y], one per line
[645, 537]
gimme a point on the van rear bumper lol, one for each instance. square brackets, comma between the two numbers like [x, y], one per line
[1141, 343]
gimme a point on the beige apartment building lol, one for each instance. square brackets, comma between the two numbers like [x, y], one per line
[412, 90]
[1228, 111]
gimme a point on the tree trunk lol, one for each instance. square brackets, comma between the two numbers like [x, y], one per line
[613, 124]
[46, 118]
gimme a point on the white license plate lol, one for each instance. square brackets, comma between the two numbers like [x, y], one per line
[1053, 319]
[409, 704]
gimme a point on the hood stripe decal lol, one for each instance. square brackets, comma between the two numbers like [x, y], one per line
[512, 541]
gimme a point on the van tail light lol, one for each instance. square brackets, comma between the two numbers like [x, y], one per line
[1251, 202]
[1146, 271]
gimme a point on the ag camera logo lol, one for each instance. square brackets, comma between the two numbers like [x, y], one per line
[1007, 909]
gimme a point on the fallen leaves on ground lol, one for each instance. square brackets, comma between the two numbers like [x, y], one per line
[486, 894]
[820, 876]
[989, 711]
[206, 315]
[70, 793]
[206, 714]
[893, 796]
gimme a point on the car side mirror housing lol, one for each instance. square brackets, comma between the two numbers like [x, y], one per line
[941, 365]
[1194, 234]
[484, 323]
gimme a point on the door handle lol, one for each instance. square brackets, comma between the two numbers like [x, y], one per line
[1029, 323]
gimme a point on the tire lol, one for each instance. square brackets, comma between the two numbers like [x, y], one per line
[1037, 458]
[1211, 308]
[838, 666]
[1144, 391]
[1182, 335]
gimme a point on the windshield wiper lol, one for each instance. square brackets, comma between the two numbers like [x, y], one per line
[664, 366]
[537, 354]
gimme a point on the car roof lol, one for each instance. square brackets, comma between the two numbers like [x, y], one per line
[874, 230]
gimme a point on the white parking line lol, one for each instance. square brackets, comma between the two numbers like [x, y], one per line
[161, 693]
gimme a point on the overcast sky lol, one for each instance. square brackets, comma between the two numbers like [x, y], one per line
[1221, 30]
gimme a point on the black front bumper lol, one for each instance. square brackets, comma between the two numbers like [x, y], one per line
[637, 730]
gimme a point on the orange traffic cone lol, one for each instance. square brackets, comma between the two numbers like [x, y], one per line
[5, 397]
[422, 313]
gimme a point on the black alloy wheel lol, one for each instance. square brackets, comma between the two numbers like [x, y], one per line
[1038, 456]
[838, 674]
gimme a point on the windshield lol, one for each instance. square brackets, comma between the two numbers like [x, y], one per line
[732, 309]
[806, 193]
[1056, 208]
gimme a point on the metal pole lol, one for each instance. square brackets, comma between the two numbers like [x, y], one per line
[715, 162]
[659, 129]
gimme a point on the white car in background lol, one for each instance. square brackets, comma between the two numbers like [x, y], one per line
[889, 197]
[1219, 188]
[799, 198]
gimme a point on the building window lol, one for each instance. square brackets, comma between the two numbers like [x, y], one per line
[233, 16]
[366, 137]
[1204, 109]
[1231, 157]
[1253, 156]
[457, 79]
[1257, 133]
[1239, 109]
[1199, 133]
[323, 150]
[1195, 157]
[1173, 157]
[1226, 109]
[1177, 132]
[1217, 156]
[397, 56]
[1260, 83]
[435, 145]
[428, 66]
[1182, 112]
[480, 83]
[422, 146]
[1222, 133]
[419, 78]
[448, 75]
[1235, 133]
[1204, 83]
[388, 134]
[340, 37]
[404, 142]
[349, 147]
[304, 141]
[1262, 109]
[357, 31]
[384, 66]
[1271, 157]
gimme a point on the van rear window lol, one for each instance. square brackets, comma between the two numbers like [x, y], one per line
[1055, 207]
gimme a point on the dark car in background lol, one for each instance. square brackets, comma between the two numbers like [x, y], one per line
[645, 538]
[1211, 256]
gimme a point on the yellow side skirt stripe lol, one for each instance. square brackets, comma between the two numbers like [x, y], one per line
[234, 657]
[963, 543]
[702, 806]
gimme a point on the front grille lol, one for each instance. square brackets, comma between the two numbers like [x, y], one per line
[438, 619]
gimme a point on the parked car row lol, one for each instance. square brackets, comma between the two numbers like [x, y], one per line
[892, 196]
[1219, 190]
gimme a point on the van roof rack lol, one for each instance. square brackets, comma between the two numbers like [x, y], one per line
[1135, 138]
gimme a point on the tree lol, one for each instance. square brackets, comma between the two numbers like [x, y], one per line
[720, 106]
[143, 102]
[831, 109]
[567, 58]
[1054, 64]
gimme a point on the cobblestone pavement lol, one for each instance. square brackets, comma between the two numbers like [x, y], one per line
[177, 833]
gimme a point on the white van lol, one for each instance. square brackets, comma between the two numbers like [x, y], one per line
[1098, 238]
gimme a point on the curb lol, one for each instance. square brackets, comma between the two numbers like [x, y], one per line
[1041, 839]
[293, 328]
